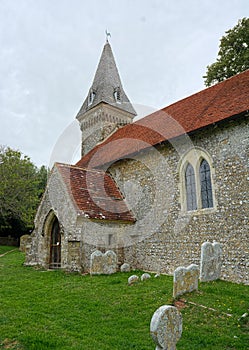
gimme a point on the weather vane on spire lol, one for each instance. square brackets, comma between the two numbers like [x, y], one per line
[107, 34]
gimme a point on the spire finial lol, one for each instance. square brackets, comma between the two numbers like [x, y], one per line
[107, 34]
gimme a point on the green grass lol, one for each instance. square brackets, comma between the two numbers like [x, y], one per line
[5, 248]
[55, 310]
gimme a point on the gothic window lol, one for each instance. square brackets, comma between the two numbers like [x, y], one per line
[190, 188]
[117, 95]
[196, 180]
[206, 185]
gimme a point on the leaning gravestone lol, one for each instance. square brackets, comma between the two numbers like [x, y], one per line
[166, 327]
[185, 279]
[105, 264]
[211, 261]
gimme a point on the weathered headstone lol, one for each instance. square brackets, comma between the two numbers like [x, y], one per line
[145, 276]
[211, 261]
[133, 279]
[185, 279]
[125, 267]
[105, 264]
[25, 243]
[166, 327]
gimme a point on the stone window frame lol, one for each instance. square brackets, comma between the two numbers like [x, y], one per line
[194, 157]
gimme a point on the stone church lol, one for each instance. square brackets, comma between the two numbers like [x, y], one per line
[152, 190]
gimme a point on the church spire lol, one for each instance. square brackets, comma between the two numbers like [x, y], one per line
[107, 86]
[106, 107]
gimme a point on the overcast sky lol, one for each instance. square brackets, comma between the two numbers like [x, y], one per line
[49, 51]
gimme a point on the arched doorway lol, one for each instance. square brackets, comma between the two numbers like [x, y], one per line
[55, 245]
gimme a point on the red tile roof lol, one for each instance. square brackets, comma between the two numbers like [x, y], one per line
[214, 104]
[95, 193]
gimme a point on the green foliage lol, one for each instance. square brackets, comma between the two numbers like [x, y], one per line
[44, 310]
[233, 55]
[21, 187]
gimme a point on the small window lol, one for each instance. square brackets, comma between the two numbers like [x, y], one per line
[117, 95]
[91, 97]
[206, 185]
[190, 188]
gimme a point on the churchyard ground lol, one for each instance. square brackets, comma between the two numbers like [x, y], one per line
[57, 310]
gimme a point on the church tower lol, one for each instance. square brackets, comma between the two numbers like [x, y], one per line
[106, 107]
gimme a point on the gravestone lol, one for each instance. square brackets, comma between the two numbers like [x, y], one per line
[185, 279]
[25, 243]
[145, 276]
[133, 279]
[125, 267]
[166, 327]
[211, 261]
[105, 264]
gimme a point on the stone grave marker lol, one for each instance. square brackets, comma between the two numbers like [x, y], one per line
[185, 279]
[125, 267]
[133, 279]
[145, 276]
[105, 264]
[166, 327]
[211, 261]
[25, 243]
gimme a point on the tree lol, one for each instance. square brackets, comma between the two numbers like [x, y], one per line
[21, 187]
[233, 55]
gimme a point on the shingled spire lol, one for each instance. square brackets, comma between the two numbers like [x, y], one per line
[107, 86]
[106, 107]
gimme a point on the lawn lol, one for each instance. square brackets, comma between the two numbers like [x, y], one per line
[56, 310]
[4, 249]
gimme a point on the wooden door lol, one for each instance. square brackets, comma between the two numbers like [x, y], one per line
[55, 246]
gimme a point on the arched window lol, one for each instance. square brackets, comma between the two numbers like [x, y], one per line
[206, 185]
[197, 173]
[190, 188]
